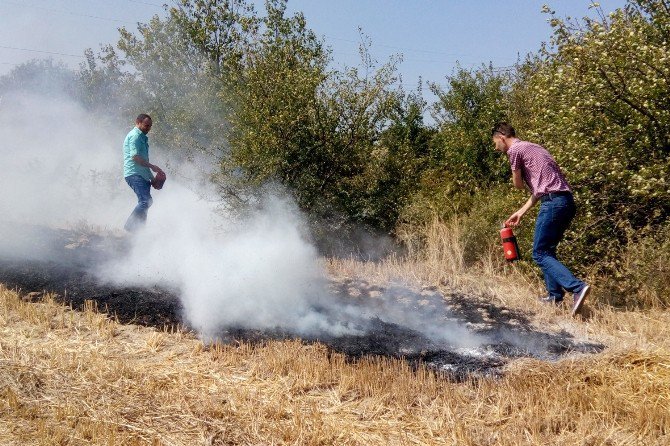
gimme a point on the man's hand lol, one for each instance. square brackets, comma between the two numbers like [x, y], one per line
[155, 168]
[514, 219]
[159, 180]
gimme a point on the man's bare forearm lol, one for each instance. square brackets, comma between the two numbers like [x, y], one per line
[516, 217]
[144, 163]
[529, 204]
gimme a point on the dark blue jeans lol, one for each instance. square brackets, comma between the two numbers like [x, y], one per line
[142, 189]
[552, 221]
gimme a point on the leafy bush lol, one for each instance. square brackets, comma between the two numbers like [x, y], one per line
[465, 114]
[461, 161]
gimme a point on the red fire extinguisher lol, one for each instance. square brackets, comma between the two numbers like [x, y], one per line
[509, 243]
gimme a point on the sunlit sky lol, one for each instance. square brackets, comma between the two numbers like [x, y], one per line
[432, 36]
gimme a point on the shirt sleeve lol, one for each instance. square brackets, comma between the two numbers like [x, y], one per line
[515, 160]
[133, 145]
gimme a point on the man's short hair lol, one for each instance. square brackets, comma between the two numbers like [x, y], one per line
[504, 129]
[141, 117]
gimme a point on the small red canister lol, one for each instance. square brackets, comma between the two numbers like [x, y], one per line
[509, 243]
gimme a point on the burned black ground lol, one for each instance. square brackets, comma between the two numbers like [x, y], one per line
[391, 321]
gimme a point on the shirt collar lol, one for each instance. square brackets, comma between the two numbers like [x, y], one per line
[139, 132]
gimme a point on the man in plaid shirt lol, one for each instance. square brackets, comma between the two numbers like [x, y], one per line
[535, 169]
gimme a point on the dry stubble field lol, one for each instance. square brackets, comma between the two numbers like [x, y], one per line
[78, 377]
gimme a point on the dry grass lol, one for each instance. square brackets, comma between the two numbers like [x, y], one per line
[75, 378]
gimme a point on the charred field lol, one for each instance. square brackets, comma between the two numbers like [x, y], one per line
[63, 262]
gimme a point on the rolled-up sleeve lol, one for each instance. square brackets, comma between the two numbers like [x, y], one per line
[133, 145]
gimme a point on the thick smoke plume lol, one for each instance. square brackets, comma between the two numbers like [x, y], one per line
[62, 169]
[257, 272]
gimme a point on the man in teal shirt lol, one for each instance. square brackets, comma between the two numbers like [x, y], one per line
[137, 170]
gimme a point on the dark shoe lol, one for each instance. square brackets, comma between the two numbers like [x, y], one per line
[551, 300]
[579, 299]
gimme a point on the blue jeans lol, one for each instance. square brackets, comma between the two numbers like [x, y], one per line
[142, 189]
[552, 221]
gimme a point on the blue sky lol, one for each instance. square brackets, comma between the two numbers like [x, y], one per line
[433, 36]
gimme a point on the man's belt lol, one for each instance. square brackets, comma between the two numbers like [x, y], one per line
[551, 195]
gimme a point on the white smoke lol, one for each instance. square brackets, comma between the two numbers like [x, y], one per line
[58, 166]
[61, 168]
[257, 272]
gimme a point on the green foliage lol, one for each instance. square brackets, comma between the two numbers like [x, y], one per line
[461, 162]
[396, 163]
[274, 88]
[314, 130]
[273, 128]
[103, 84]
[465, 114]
[177, 84]
[642, 277]
[218, 31]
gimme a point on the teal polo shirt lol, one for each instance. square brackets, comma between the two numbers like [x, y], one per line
[136, 143]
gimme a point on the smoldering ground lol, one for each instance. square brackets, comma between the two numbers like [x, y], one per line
[254, 276]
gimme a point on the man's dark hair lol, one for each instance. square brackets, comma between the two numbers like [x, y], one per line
[141, 117]
[504, 129]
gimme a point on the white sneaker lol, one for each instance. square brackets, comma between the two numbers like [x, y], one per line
[579, 299]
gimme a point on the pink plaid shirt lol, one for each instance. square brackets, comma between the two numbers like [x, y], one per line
[538, 168]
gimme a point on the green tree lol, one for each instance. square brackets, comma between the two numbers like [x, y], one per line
[461, 162]
[275, 103]
[308, 127]
[182, 67]
[396, 162]
[103, 85]
[465, 113]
